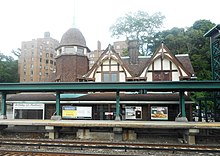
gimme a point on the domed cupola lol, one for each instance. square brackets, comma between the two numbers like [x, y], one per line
[72, 42]
[73, 36]
[71, 61]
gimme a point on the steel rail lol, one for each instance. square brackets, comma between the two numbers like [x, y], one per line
[108, 145]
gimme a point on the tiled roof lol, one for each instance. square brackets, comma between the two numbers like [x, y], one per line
[73, 36]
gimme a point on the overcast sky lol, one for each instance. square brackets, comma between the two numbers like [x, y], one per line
[24, 20]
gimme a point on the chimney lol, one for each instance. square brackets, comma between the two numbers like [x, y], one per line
[133, 51]
[46, 34]
[98, 46]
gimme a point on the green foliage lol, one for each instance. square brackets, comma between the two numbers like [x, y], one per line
[190, 41]
[138, 26]
[8, 69]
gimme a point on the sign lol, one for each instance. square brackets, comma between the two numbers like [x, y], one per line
[109, 113]
[159, 113]
[133, 112]
[28, 106]
[28, 111]
[76, 112]
[69, 112]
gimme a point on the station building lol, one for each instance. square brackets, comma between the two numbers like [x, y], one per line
[72, 65]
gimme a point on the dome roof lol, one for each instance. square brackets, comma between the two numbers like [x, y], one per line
[73, 36]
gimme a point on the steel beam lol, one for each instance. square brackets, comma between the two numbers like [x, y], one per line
[113, 87]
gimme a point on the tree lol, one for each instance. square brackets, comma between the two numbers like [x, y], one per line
[138, 26]
[8, 69]
[190, 41]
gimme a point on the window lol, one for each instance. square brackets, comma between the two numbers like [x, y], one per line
[161, 76]
[110, 77]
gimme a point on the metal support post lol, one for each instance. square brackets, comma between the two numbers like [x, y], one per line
[117, 115]
[3, 107]
[182, 103]
[206, 111]
[200, 110]
[58, 104]
[182, 106]
[58, 113]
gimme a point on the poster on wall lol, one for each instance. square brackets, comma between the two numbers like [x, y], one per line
[69, 112]
[159, 113]
[133, 112]
[76, 112]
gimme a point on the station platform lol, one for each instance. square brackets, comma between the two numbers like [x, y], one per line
[118, 130]
[112, 123]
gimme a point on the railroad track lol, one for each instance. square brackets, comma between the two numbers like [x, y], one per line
[82, 147]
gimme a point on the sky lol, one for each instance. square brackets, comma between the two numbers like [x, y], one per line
[24, 20]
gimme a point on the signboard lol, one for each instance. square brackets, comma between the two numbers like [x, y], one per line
[76, 112]
[28, 106]
[133, 112]
[28, 111]
[69, 112]
[159, 113]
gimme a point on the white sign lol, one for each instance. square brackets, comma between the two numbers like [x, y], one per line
[133, 112]
[76, 112]
[28, 106]
[84, 112]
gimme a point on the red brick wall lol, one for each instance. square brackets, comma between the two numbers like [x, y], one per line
[71, 67]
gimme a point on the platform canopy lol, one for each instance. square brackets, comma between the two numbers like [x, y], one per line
[175, 86]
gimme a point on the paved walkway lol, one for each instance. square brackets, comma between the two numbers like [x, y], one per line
[112, 123]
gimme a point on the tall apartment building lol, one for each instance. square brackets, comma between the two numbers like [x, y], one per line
[37, 59]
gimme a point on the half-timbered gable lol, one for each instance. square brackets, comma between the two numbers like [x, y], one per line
[108, 68]
[164, 66]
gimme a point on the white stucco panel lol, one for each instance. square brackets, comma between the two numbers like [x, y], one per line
[105, 68]
[174, 66]
[121, 77]
[98, 77]
[149, 76]
[99, 68]
[114, 62]
[175, 76]
[157, 64]
[114, 68]
[166, 64]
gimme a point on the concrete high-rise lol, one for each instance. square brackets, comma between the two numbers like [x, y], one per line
[37, 60]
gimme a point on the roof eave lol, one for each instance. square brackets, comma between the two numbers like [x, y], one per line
[212, 31]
